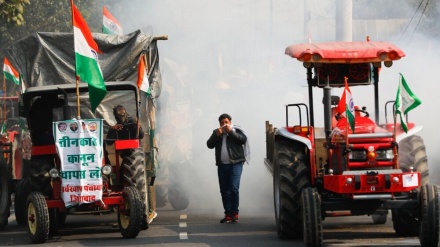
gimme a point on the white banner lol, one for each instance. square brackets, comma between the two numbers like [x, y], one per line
[79, 146]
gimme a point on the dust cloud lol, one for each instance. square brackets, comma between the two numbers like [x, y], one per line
[228, 57]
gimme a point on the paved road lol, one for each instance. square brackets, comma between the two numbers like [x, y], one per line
[199, 226]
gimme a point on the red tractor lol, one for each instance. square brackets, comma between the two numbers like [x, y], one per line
[124, 181]
[336, 171]
[121, 179]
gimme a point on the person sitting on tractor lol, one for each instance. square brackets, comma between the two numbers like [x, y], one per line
[125, 128]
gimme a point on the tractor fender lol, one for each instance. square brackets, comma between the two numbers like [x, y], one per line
[284, 132]
[414, 130]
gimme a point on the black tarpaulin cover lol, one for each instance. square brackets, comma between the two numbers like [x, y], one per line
[46, 58]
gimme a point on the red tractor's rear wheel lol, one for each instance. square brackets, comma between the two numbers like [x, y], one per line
[22, 191]
[291, 175]
[133, 173]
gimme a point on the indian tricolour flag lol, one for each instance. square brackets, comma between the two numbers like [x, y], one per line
[142, 81]
[10, 73]
[109, 23]
[346, 105]
[405, 101]
[86, 58]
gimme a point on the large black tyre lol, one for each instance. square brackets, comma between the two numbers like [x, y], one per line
[412, 153]
[5, 195]
[178, 193]
[312, 219]
[178, 197]
[161, 192]
[291, 175]
[430, 215]
[22, 191]
[133, 174]
[405, 222]
[39, 174]
[161, 185]
[130, 219]
[38, 218]
[379, 219]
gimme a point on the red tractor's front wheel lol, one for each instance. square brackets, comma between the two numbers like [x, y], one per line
[38, 218]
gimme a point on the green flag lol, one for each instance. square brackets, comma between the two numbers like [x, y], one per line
[405, 101]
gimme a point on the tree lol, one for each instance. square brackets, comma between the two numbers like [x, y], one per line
[43, 16]
[12, 11]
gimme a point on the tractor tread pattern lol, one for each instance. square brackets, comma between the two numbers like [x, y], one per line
[293, 177]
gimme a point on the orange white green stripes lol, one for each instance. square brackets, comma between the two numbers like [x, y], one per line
[10, 73]
[109, 23]
[346, 105]
[86, 59]
[142, 82]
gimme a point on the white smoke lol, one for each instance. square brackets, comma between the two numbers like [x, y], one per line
[227, 56]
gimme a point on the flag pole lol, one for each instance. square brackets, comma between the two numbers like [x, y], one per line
[395, 150]
[77, 98]
[347, 156]
[4, 100]
[78, 112]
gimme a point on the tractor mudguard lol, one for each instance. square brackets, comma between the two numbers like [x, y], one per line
[284, 132]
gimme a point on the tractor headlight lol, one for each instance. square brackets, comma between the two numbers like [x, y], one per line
[384, 154]
[358, 155]
[106, 170]
[54, 173]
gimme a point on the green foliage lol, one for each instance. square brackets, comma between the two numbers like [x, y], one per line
[12, 11]
[20, 18]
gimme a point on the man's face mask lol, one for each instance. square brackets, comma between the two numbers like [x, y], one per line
[121, 116]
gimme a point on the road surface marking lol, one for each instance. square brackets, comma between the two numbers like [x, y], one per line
[183, 235]
[182, 224]
[183, 216]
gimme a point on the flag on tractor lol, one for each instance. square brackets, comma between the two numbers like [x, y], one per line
[142, 81]
[86, 59]
[405, 101]
[10, 73]
[109, 23]
[346, 105]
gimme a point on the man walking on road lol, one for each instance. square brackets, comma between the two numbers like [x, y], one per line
[229, 142]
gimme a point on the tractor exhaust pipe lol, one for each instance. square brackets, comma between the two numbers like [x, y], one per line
[327, 109]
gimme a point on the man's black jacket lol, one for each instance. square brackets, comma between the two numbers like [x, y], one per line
[234, 142]
[129, 131]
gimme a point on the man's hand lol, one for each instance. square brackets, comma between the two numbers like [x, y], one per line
[117, 127]
[227, 128]
[219, 131]
[224, 129]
